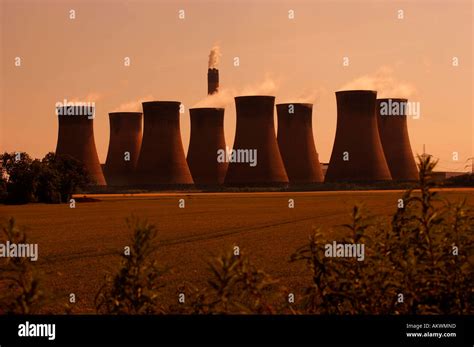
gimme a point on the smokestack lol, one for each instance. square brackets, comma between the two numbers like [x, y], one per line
[212, 81]
[393, 130]
[76, 138]
[255, 134]
[207, 137]
[296, 143]
[162, 161]
[357, 154]
[124, 147]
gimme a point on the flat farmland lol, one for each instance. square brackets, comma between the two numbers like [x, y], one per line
[78, 246]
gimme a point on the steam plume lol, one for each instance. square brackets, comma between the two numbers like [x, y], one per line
[214, 57]
[133, 105]
[384, 82]
[226, 95]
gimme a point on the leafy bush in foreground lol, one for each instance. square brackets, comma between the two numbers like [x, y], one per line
[135, 288]
[418, 264]
[20, 291]
[234, 286]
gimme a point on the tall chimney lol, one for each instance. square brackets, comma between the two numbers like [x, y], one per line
[212, 81]
[162, 161]
[357, 154]
[296, 143]
[124, 147]
[255, 132]
[393, 130]
[76, 138]
[207, 138]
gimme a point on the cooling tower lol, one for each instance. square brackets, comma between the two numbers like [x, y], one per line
[357, 154]
[212, 81]
[207, 138]
[296, 143]
[393, 130]
[124, 147]
[255, 159]
[76, 138]
[162, 161]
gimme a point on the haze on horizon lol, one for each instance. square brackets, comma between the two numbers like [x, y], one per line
[297, 60]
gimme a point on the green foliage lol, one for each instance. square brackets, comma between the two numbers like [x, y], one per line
[52, 180]
[234, 286]
[135, 288]
[413, 256]
[20, 291]
[21, 182]
[3, 186]
[66, 176]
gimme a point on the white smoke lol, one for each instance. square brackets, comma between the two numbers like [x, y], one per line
[307, 96]
[133, 105]
[268, 87]
[214, 57]
[225, 96]
[384, 82]
[88, 98]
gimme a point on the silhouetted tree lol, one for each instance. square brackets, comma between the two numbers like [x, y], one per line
[68, 174]
[21, 181]
[52, 180]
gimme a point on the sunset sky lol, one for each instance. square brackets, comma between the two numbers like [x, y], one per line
[298, 59]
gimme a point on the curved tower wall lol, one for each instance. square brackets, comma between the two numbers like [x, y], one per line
[162, 161]
[207, 138]
[76, 138]
[296, 143]
[393, 130]
[357, 154]
[255, 131]
[124, 147]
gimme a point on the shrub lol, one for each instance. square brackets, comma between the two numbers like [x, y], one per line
[417, 264]
[20, 284]
[234, 286]
[135, 288]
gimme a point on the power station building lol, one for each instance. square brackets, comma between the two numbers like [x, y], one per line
[162, 162]
[207, 138]
[255, 159]
[393, 130]
[124, 147]
[357, 153]
[76, 138]
[296, 143]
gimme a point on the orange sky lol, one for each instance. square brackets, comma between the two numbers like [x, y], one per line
[296, 59]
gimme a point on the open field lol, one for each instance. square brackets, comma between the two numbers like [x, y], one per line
[78, 246]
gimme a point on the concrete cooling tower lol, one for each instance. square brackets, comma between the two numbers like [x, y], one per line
[124, 147]
[255, 159]
[76, 138]
[296, 143]
[357, 154]
[212, 81]
[162, 161]
[393, 130]
[207, 138]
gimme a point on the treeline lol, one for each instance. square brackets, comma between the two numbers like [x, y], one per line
[52, 179]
